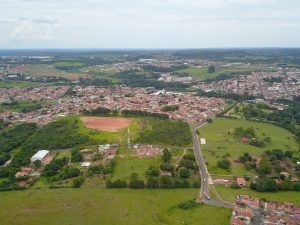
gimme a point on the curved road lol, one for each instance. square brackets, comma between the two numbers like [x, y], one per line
[204, 191]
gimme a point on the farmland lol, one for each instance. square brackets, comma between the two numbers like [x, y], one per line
[220, 143]
[103, 206]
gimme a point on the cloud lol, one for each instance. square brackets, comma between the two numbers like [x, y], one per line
[27, 30]
[145, 23]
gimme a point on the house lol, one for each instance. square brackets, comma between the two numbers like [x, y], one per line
[40, 155]
[241, 182]
[202, 141]
[85, 164]
[285, 174]
[24, 172]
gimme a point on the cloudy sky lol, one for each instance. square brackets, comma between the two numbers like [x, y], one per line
[149, 23]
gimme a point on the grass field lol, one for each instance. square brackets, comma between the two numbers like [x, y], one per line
[46, 70]
[219, 142]
[229, 194]
[103, 206]
[132, 164]
[202, 73]
[7, 84]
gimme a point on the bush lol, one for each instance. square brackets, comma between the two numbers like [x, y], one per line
[167, 167]
[196, 184]
[184, 173]
[136, 184]
[116, 184]
[78, 181]
[166, 181]
[166, 155]
[264, 185]
[152, 183]
[188, 205]
[179, 183]
[152, 172]
[224, 164]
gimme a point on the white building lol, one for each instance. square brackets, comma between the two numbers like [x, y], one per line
[202, 141]
[86, 164]
[40, 155]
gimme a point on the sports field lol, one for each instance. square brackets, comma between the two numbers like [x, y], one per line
[94, 206]
[106, 123]
[220, 143]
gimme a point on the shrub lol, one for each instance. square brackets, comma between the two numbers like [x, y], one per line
[188, 204]
[184, 173]
[152, 183]
[78, 181]
[224, 164]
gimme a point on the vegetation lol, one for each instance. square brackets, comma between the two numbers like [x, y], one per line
[221, 142]
[60, 134]
[149, 207]
[166, 132]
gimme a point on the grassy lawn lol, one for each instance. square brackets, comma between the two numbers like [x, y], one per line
[229, 194]
[132, 164]
[103, 206]
[219, 142]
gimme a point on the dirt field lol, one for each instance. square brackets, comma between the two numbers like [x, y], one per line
[105, 123]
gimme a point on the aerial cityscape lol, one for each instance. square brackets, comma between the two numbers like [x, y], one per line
[161, 112]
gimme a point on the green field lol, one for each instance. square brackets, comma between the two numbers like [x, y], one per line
[132, 164]
[228, 194]
[219, 143]
[8, 84]
[202, 73]
[103, 206]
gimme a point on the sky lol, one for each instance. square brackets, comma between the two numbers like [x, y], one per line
[149, 23]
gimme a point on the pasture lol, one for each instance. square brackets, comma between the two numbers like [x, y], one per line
[94, 206]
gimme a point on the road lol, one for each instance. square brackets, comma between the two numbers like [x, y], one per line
[204, 191]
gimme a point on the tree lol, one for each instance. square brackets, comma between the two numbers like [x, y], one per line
[76, 156]
[224, 164]
[78, 181]
[184, 173]
[264, 185]
[167, 167]
[264, 167]
[211, 69]
[37, 163]
[166, 155]
[116, 184]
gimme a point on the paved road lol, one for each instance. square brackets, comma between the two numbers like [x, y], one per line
[204, 192]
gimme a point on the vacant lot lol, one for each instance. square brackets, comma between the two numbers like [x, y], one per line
[102, 206]
[219, 143]
[106, 123]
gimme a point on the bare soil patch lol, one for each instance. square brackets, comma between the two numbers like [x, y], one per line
[105, 123]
